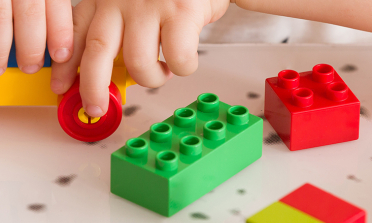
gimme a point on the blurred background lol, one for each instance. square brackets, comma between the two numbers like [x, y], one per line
[242, 26]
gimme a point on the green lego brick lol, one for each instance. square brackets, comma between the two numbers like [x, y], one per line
[158, 172]
[279, 212]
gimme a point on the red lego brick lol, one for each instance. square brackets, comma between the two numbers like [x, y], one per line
[311, 109]
[324, 206]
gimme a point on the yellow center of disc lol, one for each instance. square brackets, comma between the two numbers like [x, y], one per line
[85, 118]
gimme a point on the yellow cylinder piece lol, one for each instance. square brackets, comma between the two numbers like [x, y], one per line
[94, 120]
[85, 118]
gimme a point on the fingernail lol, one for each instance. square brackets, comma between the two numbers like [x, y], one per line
[56, 85]
[2, 71]
[30, 69]
[94, 111]
[61, 55]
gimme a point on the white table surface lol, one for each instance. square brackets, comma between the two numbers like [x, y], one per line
[46, 176]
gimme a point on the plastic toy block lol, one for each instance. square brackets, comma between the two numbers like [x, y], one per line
[186, 156]
[324, 206]
[279, 212]
[12, 61]
[311, 109]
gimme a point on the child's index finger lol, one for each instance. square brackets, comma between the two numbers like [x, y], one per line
[102, 46]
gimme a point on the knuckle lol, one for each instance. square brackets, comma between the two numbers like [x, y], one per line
[138, 64]
[31, 55]
[96, 45]
[181, 6]
[191, 9]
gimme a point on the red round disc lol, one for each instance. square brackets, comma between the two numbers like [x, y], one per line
[89, 132]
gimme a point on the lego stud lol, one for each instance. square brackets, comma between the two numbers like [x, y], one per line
[160, 132]
[323, 73]
[136, 147]
[337, 91]
[191, 145]
[237, 115]
[166, 161]
[208, 102]
[303, 97]
[85, 118]
[288, 79]
[184, 117]
[214, 130]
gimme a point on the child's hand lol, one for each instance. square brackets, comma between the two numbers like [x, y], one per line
[34, 20]
[103, 27]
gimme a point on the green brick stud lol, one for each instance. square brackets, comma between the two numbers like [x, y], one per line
[191, 145]
[184, 117]
[238, 115]
[166, 161]
[208, 103]
[160, 132]
[136, 147]
[214, 130]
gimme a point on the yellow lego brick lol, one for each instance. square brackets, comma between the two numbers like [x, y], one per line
[20, 89]
[279, 212]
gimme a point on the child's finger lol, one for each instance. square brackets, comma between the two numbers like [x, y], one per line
[141, 51]
[6, 27]
[60, 29]
[180, 39]
[102, 46]
[64, 74]
[30, 34]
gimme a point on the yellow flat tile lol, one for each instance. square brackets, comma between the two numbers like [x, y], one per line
[279, 212]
